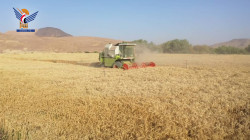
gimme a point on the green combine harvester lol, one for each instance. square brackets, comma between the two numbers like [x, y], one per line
[121, 55]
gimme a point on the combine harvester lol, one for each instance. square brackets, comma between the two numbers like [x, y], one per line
[121, 55]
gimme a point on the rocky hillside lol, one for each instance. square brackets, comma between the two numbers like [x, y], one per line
[51, 32]
[239, 43]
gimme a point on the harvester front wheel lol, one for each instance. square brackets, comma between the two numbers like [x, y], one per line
[117, 64]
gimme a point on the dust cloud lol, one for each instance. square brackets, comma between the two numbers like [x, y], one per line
[144, 54]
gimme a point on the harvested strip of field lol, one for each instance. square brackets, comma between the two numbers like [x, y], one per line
[46, 100]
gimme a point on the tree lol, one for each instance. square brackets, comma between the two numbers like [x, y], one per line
[202, 49]
[177, 46]
[143, 45]
[229, 50]
[140, 41]
[248, 49]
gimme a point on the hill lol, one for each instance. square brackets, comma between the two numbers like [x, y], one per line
[30, 42]
[239, 43]
[20, 33]
[51, 32]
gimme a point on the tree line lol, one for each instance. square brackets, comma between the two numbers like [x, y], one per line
[183, 46]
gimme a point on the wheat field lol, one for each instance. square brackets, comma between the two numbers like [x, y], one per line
[68, 96]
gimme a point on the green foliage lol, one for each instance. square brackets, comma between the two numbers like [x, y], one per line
[140, 41]
[229, 50]
[202, 49]
[144, 44]
[183, 46]
[177, 46]
[248, 49]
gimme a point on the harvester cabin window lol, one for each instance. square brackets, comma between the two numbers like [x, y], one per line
[128, 51]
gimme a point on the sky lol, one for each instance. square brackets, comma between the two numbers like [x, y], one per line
[198, 21]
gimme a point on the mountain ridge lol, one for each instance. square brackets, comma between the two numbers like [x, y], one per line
[56, 40]
[239, 43]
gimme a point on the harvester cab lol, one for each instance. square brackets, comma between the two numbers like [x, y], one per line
[121, 55]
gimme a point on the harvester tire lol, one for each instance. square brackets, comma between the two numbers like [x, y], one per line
[117, 64]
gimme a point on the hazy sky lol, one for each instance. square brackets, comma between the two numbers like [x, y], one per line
[199, 21]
